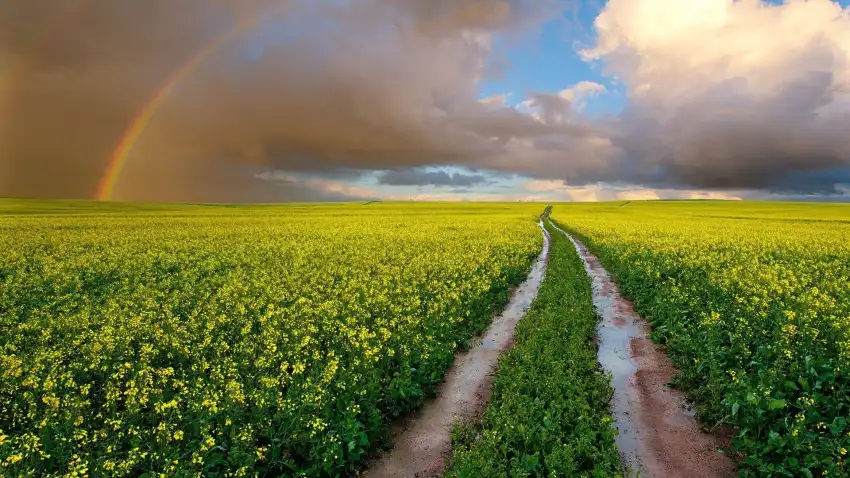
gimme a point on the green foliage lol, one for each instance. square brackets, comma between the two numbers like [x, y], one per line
[753, 302]
[227, 340]
[549, 414]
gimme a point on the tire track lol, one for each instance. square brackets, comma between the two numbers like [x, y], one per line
[658, 435]
[423, 446]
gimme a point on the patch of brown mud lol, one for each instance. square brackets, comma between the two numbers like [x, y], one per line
[672, 440]
[623, 306]
[658, 436]
[422, 446]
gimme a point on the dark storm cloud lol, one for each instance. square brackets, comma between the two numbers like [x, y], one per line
[339, 89]
[414, 177]
[314, 86]
[76, 72]
[729, 141]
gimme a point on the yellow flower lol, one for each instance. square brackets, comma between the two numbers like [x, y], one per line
[51, 402]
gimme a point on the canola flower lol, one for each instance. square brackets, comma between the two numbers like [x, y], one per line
[236, 341]
[753, 302]
[549, 414]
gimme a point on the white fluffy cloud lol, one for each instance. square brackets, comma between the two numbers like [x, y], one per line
[577, 94]
[675, 51]
[729, 94]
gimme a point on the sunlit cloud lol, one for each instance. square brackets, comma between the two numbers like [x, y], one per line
[204, 97]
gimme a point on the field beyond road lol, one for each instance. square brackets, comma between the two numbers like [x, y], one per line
[753, 303]
[241, 339]
[284, 340]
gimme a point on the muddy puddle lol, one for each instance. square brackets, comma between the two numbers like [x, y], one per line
[658, 435]
[422, 445]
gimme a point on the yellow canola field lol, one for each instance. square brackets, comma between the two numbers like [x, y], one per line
[235, 340]
[753, 302]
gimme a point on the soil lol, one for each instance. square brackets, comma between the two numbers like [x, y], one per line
[422, 444]
[658, 435]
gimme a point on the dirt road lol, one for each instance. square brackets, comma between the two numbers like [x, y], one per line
[658, 436]
[422, 447]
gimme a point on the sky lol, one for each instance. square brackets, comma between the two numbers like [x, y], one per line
[359, 100]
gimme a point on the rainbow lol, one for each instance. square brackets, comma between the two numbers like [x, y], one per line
[140, 121]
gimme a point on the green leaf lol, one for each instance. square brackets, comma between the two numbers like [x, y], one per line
[735, 407]
[791, 385]
[530, 462]
[775, 404]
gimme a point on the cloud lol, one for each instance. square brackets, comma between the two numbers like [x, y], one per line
[311, 86]
[418, 177]
[578, 94]
[319, 189]
[729, 94]
[723, 96]
[495, 100]
[540, 185]
[561, 107]
[557, 191]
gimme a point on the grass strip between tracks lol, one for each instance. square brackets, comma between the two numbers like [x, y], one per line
[549, 413]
